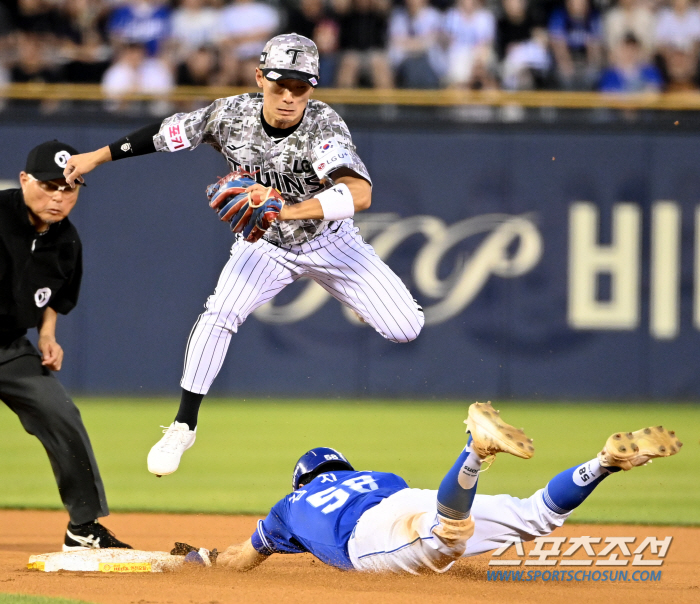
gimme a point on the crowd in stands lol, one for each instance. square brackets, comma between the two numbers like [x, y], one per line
[153, 45]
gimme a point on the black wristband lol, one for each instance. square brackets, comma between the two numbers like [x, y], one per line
[139, 142]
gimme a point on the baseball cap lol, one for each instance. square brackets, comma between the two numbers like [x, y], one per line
[290, 56]
[46, 161]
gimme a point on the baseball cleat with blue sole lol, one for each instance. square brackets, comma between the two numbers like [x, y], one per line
[491, 435]
[627, 450]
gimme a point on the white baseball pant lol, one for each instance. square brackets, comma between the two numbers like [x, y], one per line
[340, 262]
[403, 534]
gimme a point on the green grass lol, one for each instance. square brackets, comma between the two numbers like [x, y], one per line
[25, 599]
[245, 451]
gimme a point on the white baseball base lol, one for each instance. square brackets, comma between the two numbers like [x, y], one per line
[106, 561]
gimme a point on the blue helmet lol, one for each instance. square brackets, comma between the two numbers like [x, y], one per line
[312, 461]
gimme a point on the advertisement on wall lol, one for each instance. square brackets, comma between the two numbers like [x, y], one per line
[558, 265]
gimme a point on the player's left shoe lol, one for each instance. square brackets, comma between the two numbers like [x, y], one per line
[91, 535]
[164, 457]
[629, 450]
[491, 435]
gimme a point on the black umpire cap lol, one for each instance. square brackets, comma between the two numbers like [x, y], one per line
[47, 161]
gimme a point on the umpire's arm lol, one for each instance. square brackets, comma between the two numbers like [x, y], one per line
[51, 351]
[241, 557]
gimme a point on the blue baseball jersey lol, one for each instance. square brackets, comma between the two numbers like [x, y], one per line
[320, 517]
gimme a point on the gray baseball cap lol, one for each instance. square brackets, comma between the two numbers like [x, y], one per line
[290, 56]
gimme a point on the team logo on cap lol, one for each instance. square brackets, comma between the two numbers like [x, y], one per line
[61, 158]
[41, 296]
[295, 52]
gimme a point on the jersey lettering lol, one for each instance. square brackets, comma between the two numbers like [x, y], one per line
[296, 496]
[176, 138]
[362, 484]
[322, 497]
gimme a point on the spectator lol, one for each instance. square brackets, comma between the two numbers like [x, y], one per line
[145, 22]
[198, 69]
[470, 30]
[6, 29]
[83, 49]
[363, 43]
[629, 71]
[32, 64]
[136, 72]
[575, 33]
[681, 70]
[304, 16]
[630, 16]
[413, 44]
[521, 47]
[245, 27]
[326, 36]
[36, 16]
[678, 27]
[6, 24]
[194, 25]
[311, 19]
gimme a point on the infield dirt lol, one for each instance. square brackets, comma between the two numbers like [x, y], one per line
[301, 578]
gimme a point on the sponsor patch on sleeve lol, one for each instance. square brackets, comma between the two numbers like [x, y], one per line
[330, 155]
[175, 137]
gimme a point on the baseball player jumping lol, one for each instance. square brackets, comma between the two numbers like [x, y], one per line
[372, 521]
[297, 182]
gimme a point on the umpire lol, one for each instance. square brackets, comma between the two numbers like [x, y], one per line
[40, 272]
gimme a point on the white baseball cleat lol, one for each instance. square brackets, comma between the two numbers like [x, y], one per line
[629, 450]
[164, 457]
[491, 435]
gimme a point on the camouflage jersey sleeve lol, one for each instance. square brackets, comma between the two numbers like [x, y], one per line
[208, 125]
[332, 146]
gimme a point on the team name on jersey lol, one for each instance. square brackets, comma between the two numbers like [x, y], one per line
[302, 183]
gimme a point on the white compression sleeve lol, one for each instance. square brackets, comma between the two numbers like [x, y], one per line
[337, 203]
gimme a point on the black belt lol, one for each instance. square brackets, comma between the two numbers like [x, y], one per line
[9, 336]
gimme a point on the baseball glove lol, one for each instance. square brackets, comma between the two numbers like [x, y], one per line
[248, 213]
[228, 194]
[262, 209]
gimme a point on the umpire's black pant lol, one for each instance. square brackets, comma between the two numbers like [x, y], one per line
[47, 412]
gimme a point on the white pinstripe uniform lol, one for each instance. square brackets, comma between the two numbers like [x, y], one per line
[331, 253]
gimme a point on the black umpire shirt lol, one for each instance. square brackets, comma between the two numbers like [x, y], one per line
[36, 269]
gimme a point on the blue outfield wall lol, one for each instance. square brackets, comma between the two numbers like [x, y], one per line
[551, 265]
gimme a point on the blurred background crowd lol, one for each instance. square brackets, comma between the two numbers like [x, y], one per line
[153, 45]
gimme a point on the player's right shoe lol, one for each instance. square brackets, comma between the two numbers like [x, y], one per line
[632, 449]
[91, 535]
[491, 435]
[164, 457]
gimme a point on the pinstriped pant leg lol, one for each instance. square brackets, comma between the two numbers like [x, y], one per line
[350, 270]
[253, 275]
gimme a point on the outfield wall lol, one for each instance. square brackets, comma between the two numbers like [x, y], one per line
[551, 265]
